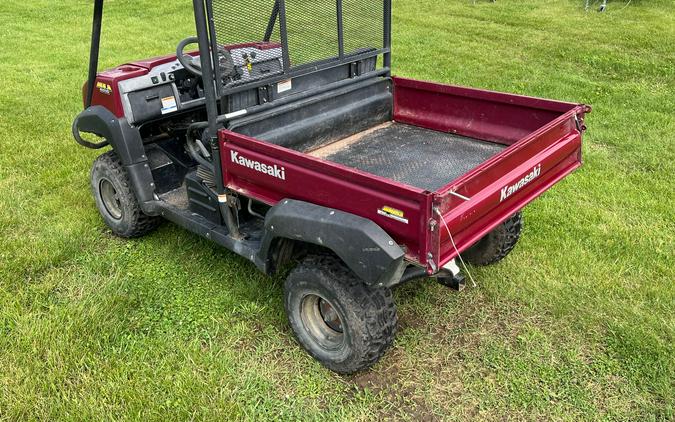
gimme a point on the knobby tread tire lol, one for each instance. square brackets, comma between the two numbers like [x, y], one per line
[134, 223]
[497, 244]
[371, 313]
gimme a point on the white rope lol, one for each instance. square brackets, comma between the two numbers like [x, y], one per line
[466, 269]
[627, 4]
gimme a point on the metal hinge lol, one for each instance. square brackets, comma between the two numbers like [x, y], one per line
[353, 70]
[580, 126]
[230, 200]
[264, 94]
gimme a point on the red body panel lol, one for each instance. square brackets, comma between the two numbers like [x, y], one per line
[540, 133]
[111, 77]
[110, 97]
[486, 115]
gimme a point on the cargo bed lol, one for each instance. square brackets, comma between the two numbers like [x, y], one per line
[417, 158]
[412, 155]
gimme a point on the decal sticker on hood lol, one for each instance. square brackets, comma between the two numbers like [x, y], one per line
[104, 88]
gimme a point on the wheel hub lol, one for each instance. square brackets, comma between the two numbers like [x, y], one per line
[330, 315]
[110, 199]
[322, 321]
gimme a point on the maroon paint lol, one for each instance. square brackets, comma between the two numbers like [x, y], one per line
[538, 131]
[487, 115]
[113, 101]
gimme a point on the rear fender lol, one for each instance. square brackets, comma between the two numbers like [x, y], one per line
[360, 243]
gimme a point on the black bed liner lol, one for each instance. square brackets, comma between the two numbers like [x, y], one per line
[419, 157]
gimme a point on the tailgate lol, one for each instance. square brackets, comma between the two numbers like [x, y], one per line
[477, 202]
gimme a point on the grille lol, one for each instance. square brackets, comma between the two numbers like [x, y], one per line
[315, 31]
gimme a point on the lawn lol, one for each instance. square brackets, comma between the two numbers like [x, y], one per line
[577, 323]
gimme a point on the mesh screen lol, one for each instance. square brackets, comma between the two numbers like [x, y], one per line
[312, 30]
[363, 23]
[239, 22]
[243, 27]
[312, 27]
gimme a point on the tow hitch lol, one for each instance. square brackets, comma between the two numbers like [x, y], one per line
[452, 276]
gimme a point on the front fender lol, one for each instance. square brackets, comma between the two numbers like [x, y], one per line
[125, 140]
[361, 244]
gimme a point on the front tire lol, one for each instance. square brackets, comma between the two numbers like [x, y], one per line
[494, 246]
[115, 200]
[340, 321]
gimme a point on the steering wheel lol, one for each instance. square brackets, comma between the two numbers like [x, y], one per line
[193, 65]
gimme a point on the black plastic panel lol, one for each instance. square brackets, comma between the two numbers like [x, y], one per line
[297, 85]
[363, 245]
[201, 200]
[146, 104]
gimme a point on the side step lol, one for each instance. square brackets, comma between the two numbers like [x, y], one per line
[207, 229]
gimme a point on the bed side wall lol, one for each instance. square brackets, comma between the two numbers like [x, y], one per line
[270, 173]
[485, 115]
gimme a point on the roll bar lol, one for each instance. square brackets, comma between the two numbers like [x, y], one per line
[94, 49]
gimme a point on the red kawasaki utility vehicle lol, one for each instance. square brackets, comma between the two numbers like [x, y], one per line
[284, 138]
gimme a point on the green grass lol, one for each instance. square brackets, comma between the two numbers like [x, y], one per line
[577, 323]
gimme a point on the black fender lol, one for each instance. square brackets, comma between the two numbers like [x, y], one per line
[361, 244]
[124, 139]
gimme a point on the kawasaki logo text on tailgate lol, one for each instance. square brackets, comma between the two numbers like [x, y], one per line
[509, 190]
[271, 170]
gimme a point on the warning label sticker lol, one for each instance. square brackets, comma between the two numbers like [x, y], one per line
[284, 86]
[169, 105]
[393, 213]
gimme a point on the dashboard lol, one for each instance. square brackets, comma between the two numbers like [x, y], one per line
[169, 87]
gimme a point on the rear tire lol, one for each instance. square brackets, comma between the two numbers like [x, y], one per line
[494, 246]
[115, 200]
[340, 321]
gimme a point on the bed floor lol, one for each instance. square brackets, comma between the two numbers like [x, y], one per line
[419, 157]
